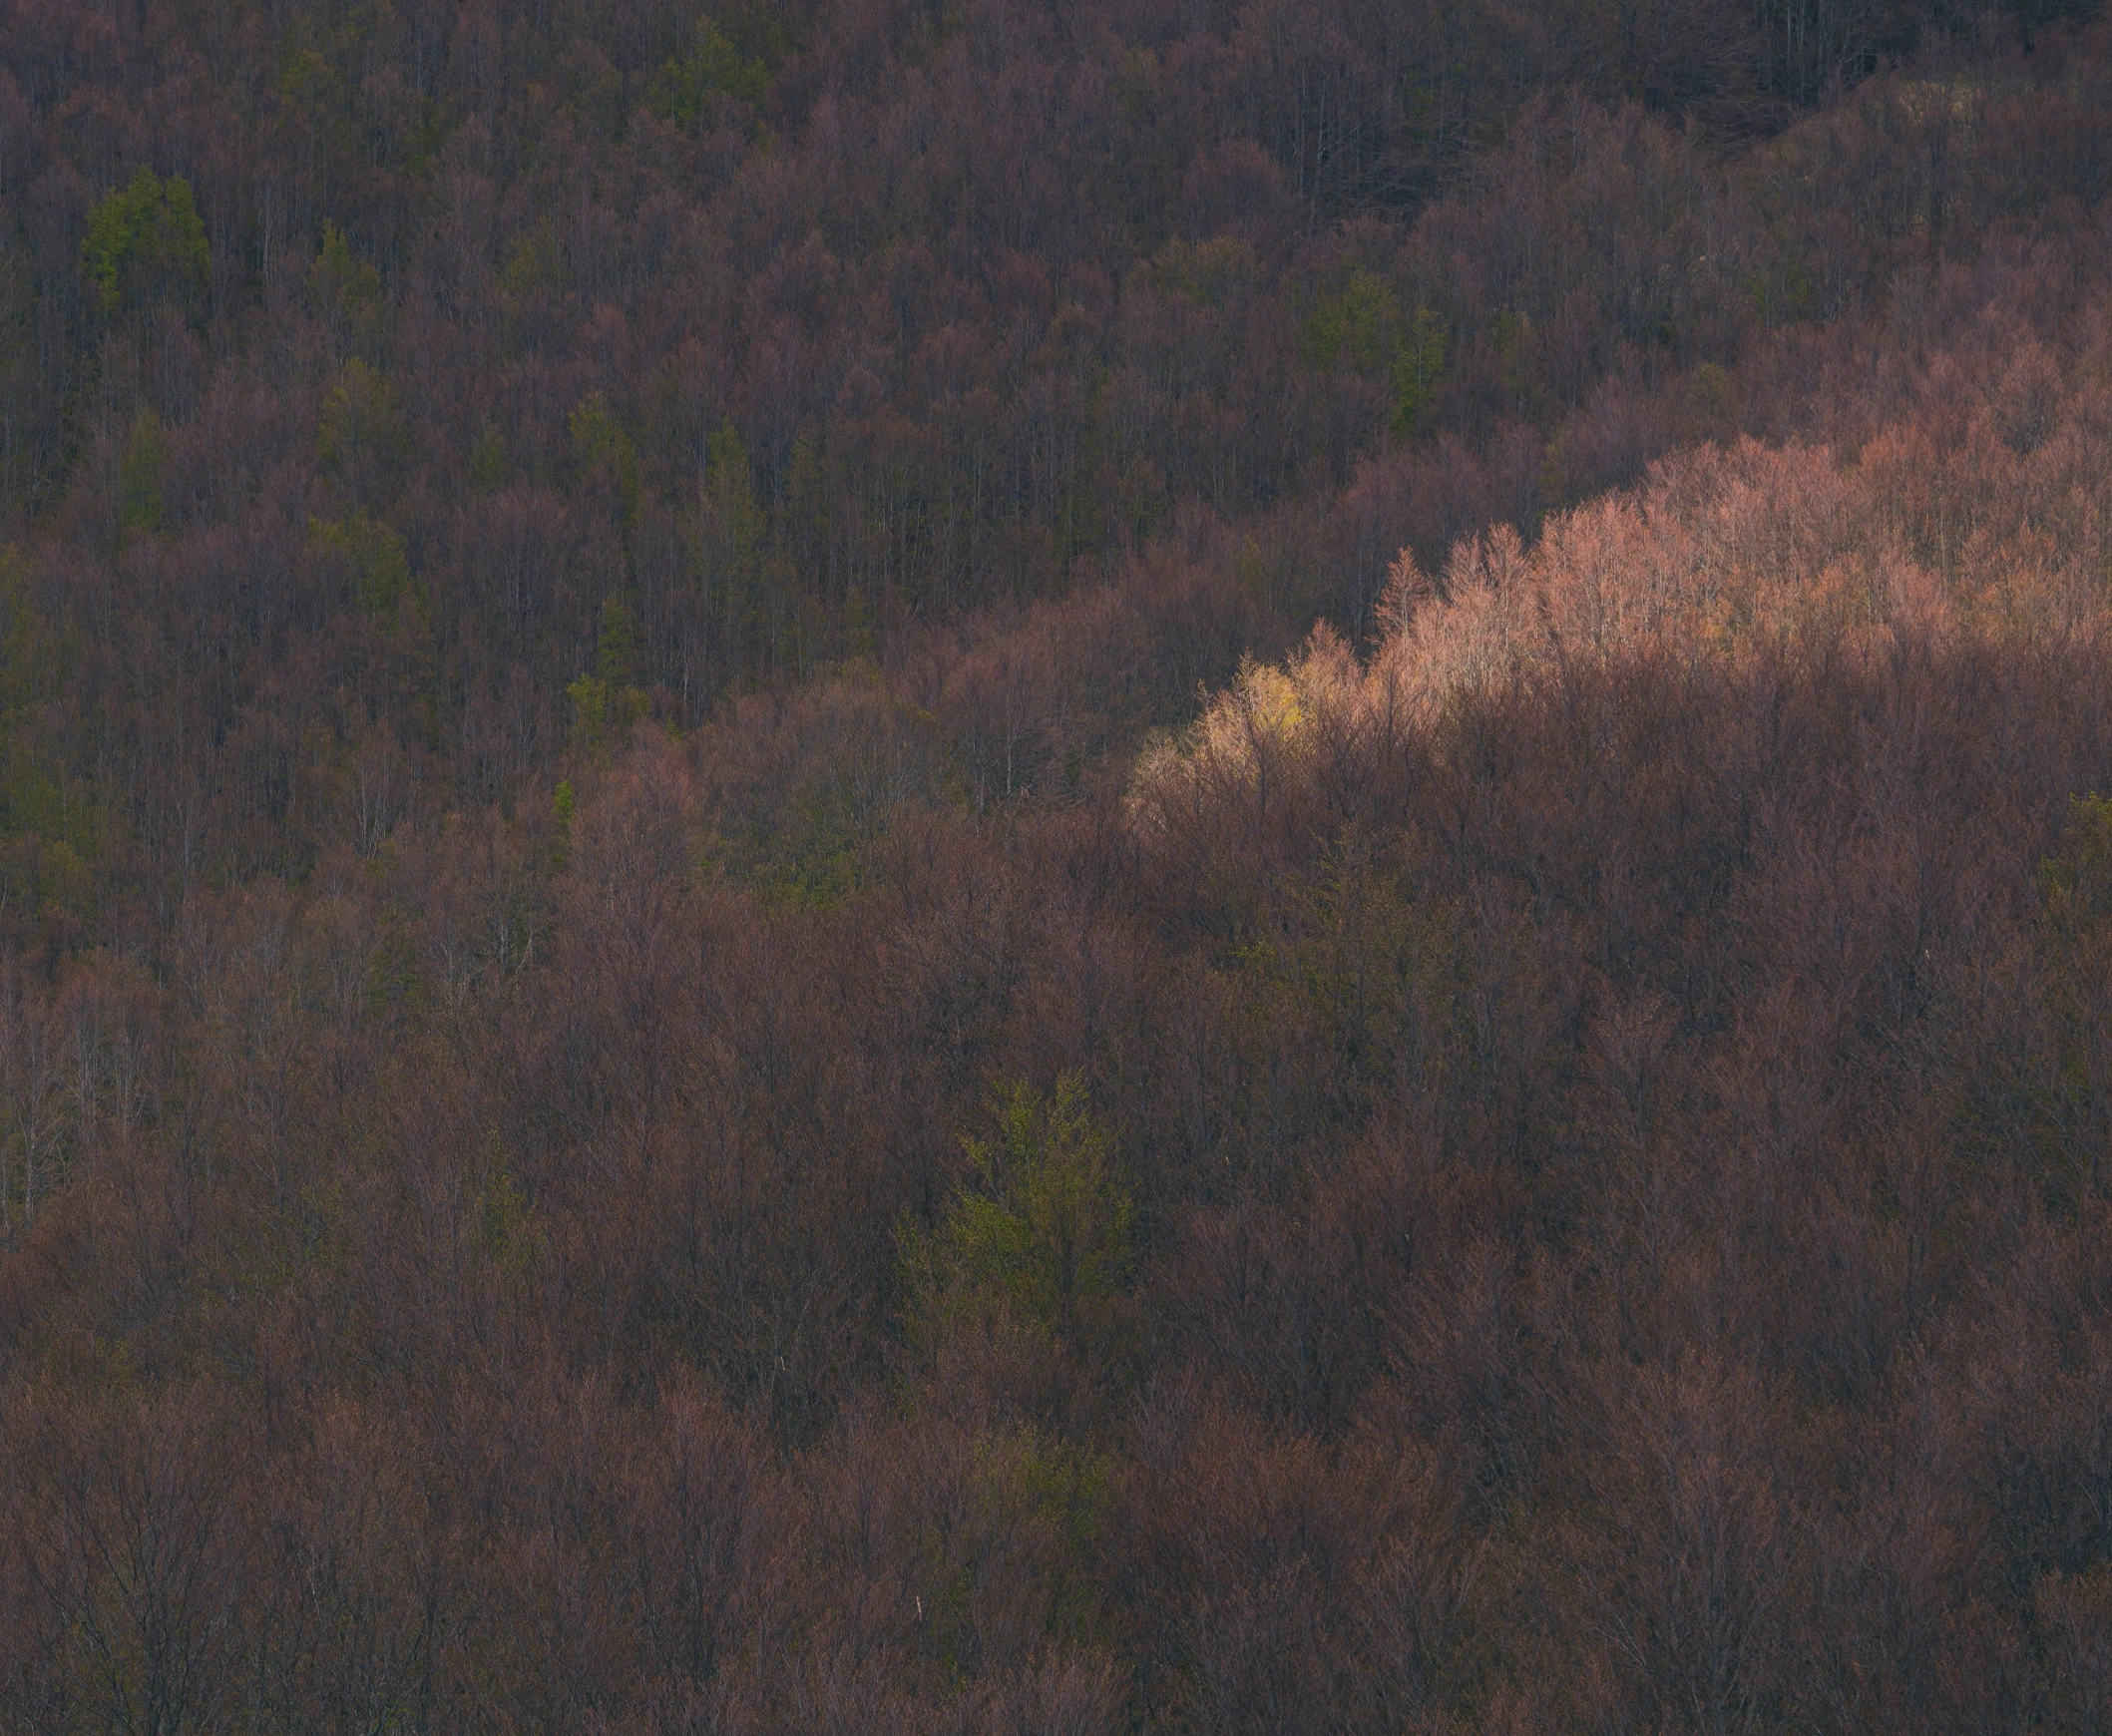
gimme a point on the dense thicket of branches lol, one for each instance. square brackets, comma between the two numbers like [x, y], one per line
[391, 399]
[715, 1016]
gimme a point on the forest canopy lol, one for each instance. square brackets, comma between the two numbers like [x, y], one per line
[1056, 867]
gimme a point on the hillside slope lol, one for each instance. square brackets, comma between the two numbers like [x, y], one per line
[1333, 956]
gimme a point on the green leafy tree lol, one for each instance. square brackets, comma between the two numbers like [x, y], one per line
[1044, 1230]
[2076, 884]
[2075, 940]
[146, 246]
[1417, 364]
[488, 462]
[506, 1225]
[359, 430]
[730, 498]
[713, 65]
[536, 267]
[730, 531]
[1363, 329]
[344, 289]
[563, 806]
[734, 59]
[1518, 345]
[608, 701]
[139, 476]
[1065, 1493]
[1034, 1520]
[46, 822]
[607, 459]
[1353, 327]
[1210, 273]
[373, 553]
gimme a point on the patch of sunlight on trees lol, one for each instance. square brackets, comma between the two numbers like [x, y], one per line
[1722, 553]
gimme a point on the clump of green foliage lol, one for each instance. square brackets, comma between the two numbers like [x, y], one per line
[1036, 1514]
[360, 423]
[505, 1222]
[488, 461]
[374, 554]
[608, 701]
[1044, 1229]
[140, 475]
[1209, 273]
[605, 455]
[712, 66]
[731, 518]
[145, 246]
[1365, 328]
[344, 289]
[49, 836]
[734, 54]
[536, 267]
[1063, 1490]
[2075, 947]
[2076, 883]
[811, 860]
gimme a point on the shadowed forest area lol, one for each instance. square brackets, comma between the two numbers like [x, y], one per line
[1055, 868]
